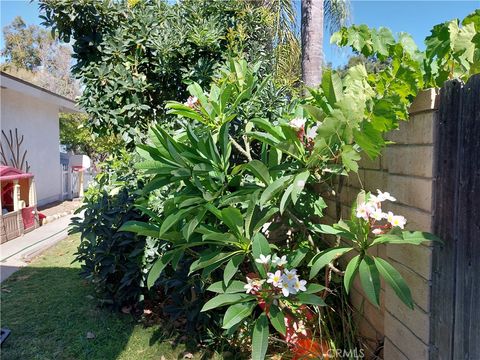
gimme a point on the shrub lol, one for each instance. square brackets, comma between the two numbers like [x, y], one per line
[132, 57]
[111, 260]
[221, 208]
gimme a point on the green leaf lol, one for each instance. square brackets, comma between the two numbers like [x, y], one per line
[263, 216]
[141, 228]
[274, 188]
[314, 288]
[317, 113]
[233, 219]
[158, 267]
[226, 299]
[350, 272]
[232, 267]
[350, 158]
[210, 259]
[237, 313]
[310, 299]
[395, 280]
[173, 219]
[407, 237]
[298, 184]
[264, 138]
[332, 86]
[260, 338]
[327, 229]
[370, 280]
[320, 260]
[234, 287]
[297, 257]
[277, 319]
[381, 40]
[260, 246]
[260, 171]
[285, 198]
[384, 116]
[267, 126]
[369, 139]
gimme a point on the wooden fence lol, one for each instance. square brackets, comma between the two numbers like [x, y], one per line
[455, 303]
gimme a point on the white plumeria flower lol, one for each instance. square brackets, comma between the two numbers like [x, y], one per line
[275, 278]
[389, 217]
[253, 284]
[377, 214]
[364, 210]
[264, 259]
[382, 196]
[290, 276]
[279, 261]
[288, 289]
[312, 132]
[297, 123]
[399, 221]
[374, 201]
[300, 285]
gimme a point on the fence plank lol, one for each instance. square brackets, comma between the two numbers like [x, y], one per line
[455, 292]
[443, 257]
[467, 226]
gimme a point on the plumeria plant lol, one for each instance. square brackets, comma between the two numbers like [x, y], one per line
[370, 226]
[276, 289]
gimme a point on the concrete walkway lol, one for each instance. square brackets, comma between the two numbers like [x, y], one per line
[18, 252]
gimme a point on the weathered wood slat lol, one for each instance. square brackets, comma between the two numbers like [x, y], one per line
[443, 258]
[467, 226]
[455, 292]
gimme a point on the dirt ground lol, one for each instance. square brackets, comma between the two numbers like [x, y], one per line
[59, 207]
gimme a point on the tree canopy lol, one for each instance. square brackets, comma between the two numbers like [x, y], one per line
[32, 54]
[132, 57]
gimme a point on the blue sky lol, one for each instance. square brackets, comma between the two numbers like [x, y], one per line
[414, 17]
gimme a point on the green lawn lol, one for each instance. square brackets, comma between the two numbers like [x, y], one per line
[50, 310]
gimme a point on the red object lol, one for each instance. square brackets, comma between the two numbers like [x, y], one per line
[10, 173]
[310, 349]
[41, 216]
[7, 195]
[28, 217]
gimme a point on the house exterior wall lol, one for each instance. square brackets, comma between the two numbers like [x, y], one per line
[37, 121]
[405, 170]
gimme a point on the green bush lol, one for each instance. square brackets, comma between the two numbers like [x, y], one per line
[223, 207]
[113, 261]
[133, 56]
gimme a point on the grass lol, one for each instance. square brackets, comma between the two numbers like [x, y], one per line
[49, 310]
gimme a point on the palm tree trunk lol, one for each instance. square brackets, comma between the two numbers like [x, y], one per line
[312, 42]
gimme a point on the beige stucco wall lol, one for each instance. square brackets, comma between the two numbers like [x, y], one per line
[37, 120]
[404, 170]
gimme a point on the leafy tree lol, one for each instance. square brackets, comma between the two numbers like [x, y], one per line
[22, 44]
[132, 57]
[76, 136]
[32, 54]
[372, 64]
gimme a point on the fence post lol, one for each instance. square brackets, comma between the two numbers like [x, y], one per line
[455, 319]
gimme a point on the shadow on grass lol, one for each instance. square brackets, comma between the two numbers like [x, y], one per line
[53, 315]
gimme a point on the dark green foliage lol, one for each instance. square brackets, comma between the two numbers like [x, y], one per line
[133, 57]
[113, 261]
